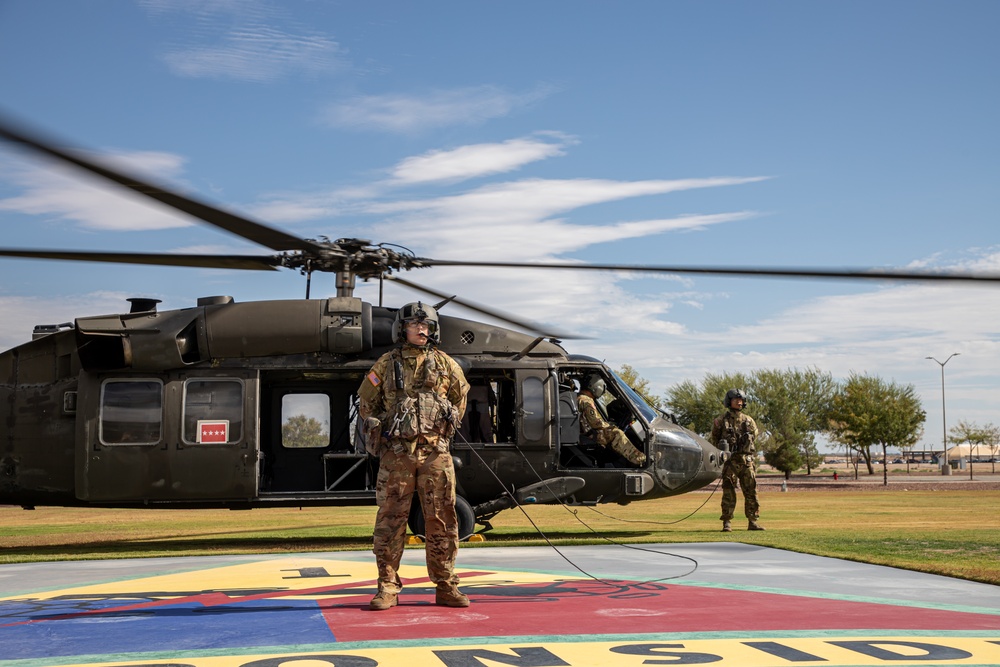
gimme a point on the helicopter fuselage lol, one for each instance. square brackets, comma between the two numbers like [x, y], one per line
[254, 405]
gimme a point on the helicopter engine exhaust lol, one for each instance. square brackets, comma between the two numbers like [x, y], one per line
[220, 328]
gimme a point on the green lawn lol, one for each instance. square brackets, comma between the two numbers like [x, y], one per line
[955, 533]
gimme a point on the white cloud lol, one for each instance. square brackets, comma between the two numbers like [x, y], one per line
[477, 160]
[256, 53]
[433, 167]
[245, 40]
[499, 220]
[413, 113]
[70, 194]
[886, 331]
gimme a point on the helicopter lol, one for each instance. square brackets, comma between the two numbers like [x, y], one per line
[240, 405]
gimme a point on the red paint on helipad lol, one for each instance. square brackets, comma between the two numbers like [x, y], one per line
[589, 608]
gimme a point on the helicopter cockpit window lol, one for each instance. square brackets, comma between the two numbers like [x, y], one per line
[644, 408]
[213, 411]
[305, 421]
[131, 412]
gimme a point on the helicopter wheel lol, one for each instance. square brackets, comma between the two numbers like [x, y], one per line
[466, 518]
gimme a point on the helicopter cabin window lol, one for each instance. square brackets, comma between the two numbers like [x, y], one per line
[305, 421]
[131, 412]
[213, 411]
[533, 395]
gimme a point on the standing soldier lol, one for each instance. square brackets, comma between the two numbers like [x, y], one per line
[412, 402]
[739, 433]
[592, 422]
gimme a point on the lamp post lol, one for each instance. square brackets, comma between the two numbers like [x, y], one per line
[944, 419]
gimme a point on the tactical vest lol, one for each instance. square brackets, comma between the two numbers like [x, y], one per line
[739, 435]
[419, 409]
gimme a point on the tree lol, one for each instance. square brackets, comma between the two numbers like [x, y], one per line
[638, 384]
[788, 405]
[300, 431]
[793, 405]
[696, 407]
[868, 411]
[977, 437]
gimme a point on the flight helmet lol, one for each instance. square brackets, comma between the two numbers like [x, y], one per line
[731, 394]
[595, 384]
[416, 312]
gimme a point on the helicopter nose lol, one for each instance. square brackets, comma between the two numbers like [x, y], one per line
[684, 461]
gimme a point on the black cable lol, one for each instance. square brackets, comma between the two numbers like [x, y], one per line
[566, 507]
[661, 523]
[576, 515]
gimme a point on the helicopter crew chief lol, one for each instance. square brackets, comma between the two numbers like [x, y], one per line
[592, 423]
[738, 431]
[411, 403]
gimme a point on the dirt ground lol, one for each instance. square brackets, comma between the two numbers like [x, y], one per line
[927, 477]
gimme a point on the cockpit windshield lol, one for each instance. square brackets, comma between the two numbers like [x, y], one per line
[648, 413]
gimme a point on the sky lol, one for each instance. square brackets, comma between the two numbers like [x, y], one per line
[817, 134]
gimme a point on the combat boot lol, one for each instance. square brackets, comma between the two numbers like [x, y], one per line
[753, 525]
[727, 526]
[383, 600]
[450, 597]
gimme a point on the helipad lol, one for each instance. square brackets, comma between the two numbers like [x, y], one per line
[676, 604]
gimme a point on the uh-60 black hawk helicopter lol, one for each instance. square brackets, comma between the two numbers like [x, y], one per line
[209, 406]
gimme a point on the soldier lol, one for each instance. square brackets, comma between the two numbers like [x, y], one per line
[592, 423]
[739, 433]
[412, 402]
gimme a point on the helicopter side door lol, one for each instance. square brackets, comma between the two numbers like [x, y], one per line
[534, 409]
[307, 438]
[189, 436]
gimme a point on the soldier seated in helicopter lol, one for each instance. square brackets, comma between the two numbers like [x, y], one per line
[593, 424]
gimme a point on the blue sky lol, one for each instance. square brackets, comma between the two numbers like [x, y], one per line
[822, 134]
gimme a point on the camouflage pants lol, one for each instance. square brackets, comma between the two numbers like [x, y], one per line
[617, 441]
[739, 471]
[431, 475]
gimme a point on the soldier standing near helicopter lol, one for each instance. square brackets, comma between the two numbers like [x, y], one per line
[411, 403]
[739, 431]
[592, 422]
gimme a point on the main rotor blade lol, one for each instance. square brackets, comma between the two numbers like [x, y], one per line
[532, 327]
[236, 224]
[778, 272]
[245, 262]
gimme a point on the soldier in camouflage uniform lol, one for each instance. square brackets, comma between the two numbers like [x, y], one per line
[592, 423]
[411, 403]
[739, 433]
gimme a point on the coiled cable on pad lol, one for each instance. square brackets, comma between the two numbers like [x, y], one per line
[566, 558]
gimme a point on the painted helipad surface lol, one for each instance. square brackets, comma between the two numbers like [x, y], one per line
[677, 604]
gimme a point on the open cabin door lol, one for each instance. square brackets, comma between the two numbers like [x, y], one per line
[187, 437]
[308, 444]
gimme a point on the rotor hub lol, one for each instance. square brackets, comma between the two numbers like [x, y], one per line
[354, 256]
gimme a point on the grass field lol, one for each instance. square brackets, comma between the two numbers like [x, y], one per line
[955, 533]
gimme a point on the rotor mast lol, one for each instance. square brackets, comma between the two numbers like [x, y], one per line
[345, 282]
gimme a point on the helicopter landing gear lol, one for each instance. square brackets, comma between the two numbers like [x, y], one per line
[466, 518]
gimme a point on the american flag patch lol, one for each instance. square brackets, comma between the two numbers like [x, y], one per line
[374, 379]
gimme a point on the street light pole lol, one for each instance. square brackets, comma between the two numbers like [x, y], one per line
[944, 419]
